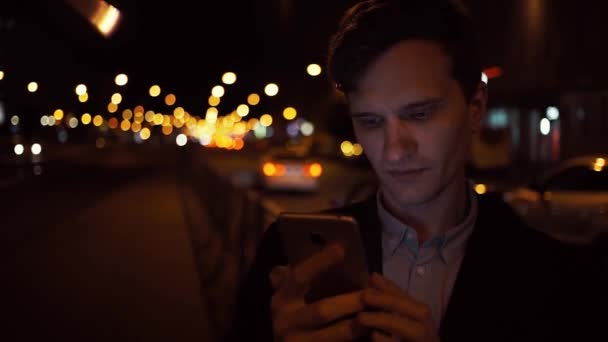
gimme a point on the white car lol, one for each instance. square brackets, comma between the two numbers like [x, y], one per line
[285, 170]
[570, 200]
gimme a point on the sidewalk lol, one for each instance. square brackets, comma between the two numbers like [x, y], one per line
[122, 270]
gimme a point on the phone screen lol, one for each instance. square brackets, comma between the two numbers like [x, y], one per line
[302, 235]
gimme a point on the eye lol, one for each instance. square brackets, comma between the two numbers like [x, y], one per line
[369, 121]
[419, 116]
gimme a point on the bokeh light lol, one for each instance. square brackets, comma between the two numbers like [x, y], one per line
[271, 89]
[121, 79]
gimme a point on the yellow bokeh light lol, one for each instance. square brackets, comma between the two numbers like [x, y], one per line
[1, 75]
[481, 189]
[240, 128]
[83, 98]
[113, 123]
[58, 114]
[357, 149]
[253, 99]
[138, 109]
[98, 120]
[135, 127]
[313, 69]
[116, 98]
[347, 148]
[315, 170]
[597, 168]
[290, 113]
[166, 120]
[269, 169]
[125, 125]
[271, 89]
[266, 120]
[85, 119]
[179, 112]
[167, 130]
[214, 101]
[145, 133]
[601, 162]
[170, 100]
[158, 119]
[121, 79]
[149, 116]
[242, 110]
[229, 78]
[112, 107]
[154, 90]
[238, 144]
[211, 114]
[218, 91]
[32, 87]
[252, 123]
[127, 114]
[81, 89]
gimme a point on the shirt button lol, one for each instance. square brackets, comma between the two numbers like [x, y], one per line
[420, 270]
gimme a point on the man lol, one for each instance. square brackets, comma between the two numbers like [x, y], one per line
[445, 264]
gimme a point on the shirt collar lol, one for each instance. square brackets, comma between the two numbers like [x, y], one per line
[449, 244]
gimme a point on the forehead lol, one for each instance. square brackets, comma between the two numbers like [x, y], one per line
[409, 71]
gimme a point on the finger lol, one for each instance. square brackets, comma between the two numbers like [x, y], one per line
[384, 284]
[320, 313]
[379, 336]
[392, 324]
[297, 284]
[277, 275]
[347, 330]
[401, 305]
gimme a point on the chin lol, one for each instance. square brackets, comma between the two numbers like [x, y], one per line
[410, 194]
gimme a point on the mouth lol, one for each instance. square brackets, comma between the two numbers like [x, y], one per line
[406, 175]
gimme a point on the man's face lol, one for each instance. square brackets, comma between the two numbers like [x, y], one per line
[413, 122]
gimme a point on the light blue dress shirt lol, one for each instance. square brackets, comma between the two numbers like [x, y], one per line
[426, 272]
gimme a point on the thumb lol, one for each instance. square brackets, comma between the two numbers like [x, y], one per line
[277, 275]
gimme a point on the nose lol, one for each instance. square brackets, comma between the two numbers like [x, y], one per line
[399, 141]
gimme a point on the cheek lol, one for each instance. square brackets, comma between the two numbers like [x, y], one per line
[371, 143]
[452, 141]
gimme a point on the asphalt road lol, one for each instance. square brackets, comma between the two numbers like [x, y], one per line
[99, 248]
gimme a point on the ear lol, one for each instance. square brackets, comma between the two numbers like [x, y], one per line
[478, 106]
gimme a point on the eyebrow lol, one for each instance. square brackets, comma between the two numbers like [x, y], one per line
[430, 103]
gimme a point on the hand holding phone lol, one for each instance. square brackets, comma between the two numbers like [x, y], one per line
[328, 319]
[305, 234]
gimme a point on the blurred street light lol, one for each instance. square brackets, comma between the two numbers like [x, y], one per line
[229, 78]
[32, 87]
[314, 70]
[271, 89]
[121, 80]
[155, 90]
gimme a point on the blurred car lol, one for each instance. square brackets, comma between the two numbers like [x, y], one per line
[290, 170]
[570, 198]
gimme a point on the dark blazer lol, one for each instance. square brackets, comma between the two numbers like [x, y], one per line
[514, 284]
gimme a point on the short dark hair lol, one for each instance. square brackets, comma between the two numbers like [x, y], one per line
[371, 27]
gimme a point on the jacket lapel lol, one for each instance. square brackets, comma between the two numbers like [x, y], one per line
[482, 284]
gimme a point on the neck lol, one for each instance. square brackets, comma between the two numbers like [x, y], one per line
[446, 210]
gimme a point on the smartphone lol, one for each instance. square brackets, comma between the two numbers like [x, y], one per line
[304, 234]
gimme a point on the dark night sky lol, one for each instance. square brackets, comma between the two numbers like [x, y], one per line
[185, 46]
